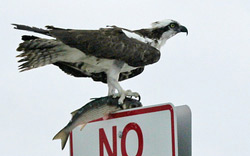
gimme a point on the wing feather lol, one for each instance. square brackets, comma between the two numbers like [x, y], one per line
[109, 43]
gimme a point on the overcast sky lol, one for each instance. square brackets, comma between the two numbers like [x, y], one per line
[208, 70]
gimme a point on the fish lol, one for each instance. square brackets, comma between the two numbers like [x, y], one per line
[97, 108]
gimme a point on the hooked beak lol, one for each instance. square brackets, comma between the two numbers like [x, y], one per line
[183, 29]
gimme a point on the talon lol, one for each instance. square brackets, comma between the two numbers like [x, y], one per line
[116, 95]
[126, 94]
[121, 99]
[139, 98]
[83, 126]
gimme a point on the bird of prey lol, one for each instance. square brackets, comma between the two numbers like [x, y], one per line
[109, 55]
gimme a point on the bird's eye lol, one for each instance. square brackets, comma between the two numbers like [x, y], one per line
[172, 25]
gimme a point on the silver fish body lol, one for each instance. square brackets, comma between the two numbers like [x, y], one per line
[98, 108]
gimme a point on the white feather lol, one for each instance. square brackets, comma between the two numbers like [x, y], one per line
[137, 37]
[162, 23]
[165, 36]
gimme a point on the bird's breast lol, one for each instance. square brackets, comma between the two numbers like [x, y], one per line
[90, 63]
[93, 64]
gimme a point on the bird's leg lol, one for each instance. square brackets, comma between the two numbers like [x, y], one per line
[111, 89]
[113, 76]
[112, 80]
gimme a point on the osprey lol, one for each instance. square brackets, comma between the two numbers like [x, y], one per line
[108, 55]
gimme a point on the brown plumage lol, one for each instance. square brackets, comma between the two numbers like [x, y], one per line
[108, 43]
[108, 55]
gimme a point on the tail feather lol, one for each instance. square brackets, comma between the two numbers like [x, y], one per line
[33, 29]
[63, 135]
[27, 37]
[38, 52]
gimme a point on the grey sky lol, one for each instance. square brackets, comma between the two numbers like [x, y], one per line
[209, 70]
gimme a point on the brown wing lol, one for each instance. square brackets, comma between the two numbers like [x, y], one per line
[109, 43]
[74, 69]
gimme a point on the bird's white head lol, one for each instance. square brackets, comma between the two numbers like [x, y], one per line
[165, 29]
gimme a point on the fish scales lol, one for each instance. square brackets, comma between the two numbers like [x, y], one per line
[86, 116]
[98, 108]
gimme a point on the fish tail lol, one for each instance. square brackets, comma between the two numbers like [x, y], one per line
[63, 135]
